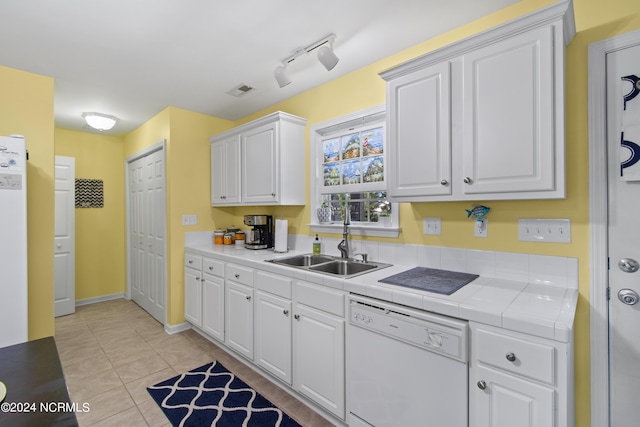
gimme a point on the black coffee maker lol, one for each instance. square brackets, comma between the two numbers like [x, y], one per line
[261, 235]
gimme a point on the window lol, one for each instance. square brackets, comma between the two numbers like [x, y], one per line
[348, 169]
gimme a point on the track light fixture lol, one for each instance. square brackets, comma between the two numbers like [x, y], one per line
[326, 56]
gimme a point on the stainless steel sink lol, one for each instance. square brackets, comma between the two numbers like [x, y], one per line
[304, 260]
[344, 267]
[327, 264]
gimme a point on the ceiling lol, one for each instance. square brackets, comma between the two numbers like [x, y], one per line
[132, 59]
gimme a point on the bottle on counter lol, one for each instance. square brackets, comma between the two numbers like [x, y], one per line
[317, 248]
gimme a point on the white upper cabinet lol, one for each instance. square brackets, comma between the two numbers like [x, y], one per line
[260, 163]
[509, 143]
[420, 127]
[225, 171]
[482, 119]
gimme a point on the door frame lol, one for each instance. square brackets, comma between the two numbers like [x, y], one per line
[158, 146]
[598, 222]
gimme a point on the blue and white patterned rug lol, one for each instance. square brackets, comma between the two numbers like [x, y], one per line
[212, 396]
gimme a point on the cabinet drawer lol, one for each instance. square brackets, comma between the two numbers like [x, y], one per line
[193, 261]
[276, 285]
[239, 274]
[329, 300]
[527, 358]
[212, 266]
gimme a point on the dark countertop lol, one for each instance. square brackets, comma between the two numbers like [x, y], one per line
[36, 390]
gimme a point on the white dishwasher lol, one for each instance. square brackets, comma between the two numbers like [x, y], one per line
[405, 367]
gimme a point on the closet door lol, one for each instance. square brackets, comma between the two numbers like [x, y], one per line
[147, 224]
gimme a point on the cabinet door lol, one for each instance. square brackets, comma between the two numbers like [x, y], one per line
[239, 318]
[273, 334]
[193, 296]
[260, 164]
[508, 401]
[225, 171]
[419, 143]
[319, 358]
[509, 142]
[213, 306]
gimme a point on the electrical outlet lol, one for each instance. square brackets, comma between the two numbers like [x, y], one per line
[544, 230]
[481, 228]
[189, 219]
[432, 226]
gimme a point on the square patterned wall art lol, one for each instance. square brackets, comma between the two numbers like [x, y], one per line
[89, 193]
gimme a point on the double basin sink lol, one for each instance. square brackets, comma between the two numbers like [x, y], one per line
[329, 265]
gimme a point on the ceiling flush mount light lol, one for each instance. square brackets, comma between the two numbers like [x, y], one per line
[99, 121]
[326, 56]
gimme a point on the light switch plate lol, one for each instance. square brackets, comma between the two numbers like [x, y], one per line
[432, 226]
[544, 230]
[189, 219]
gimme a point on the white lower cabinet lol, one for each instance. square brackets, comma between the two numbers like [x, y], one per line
[273, 335]
[508, 401]
[318, 346]
[294, 330]
[193, 289]
[239, 318]
[273, 338]
[213, 306]
[519, 380]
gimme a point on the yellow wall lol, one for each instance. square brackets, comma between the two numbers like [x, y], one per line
[100, 237]
[26, 108]
[188, 177]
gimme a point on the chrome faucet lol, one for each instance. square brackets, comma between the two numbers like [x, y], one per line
[343, 246]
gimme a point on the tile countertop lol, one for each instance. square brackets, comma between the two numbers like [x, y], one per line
[535, 309]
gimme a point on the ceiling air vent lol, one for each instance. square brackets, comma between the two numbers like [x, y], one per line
[241, 90]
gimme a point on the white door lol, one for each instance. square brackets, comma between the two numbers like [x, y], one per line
[147, 233]
[64, 237]
[623, 142]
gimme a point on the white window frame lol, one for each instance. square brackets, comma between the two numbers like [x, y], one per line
[318, 133]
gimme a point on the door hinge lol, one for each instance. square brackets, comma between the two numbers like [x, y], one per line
[608, 293]
[608, 263]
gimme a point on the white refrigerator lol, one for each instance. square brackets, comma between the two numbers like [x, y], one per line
[13, 241]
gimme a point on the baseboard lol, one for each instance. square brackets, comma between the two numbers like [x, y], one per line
[180, 327]
[101, 298]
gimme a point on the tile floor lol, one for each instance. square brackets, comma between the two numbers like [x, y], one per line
[111, 351]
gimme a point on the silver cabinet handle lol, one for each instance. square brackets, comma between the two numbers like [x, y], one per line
[237, 276]
[248, 297]
[482, 385]
[467, 180]
[273, 194]
[296, 316]
[444, 182]
[210, 268]
[511, 357]
[190, 262]
[286, 312]
[197, 278]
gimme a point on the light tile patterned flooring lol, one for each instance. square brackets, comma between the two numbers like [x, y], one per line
[112, 351]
